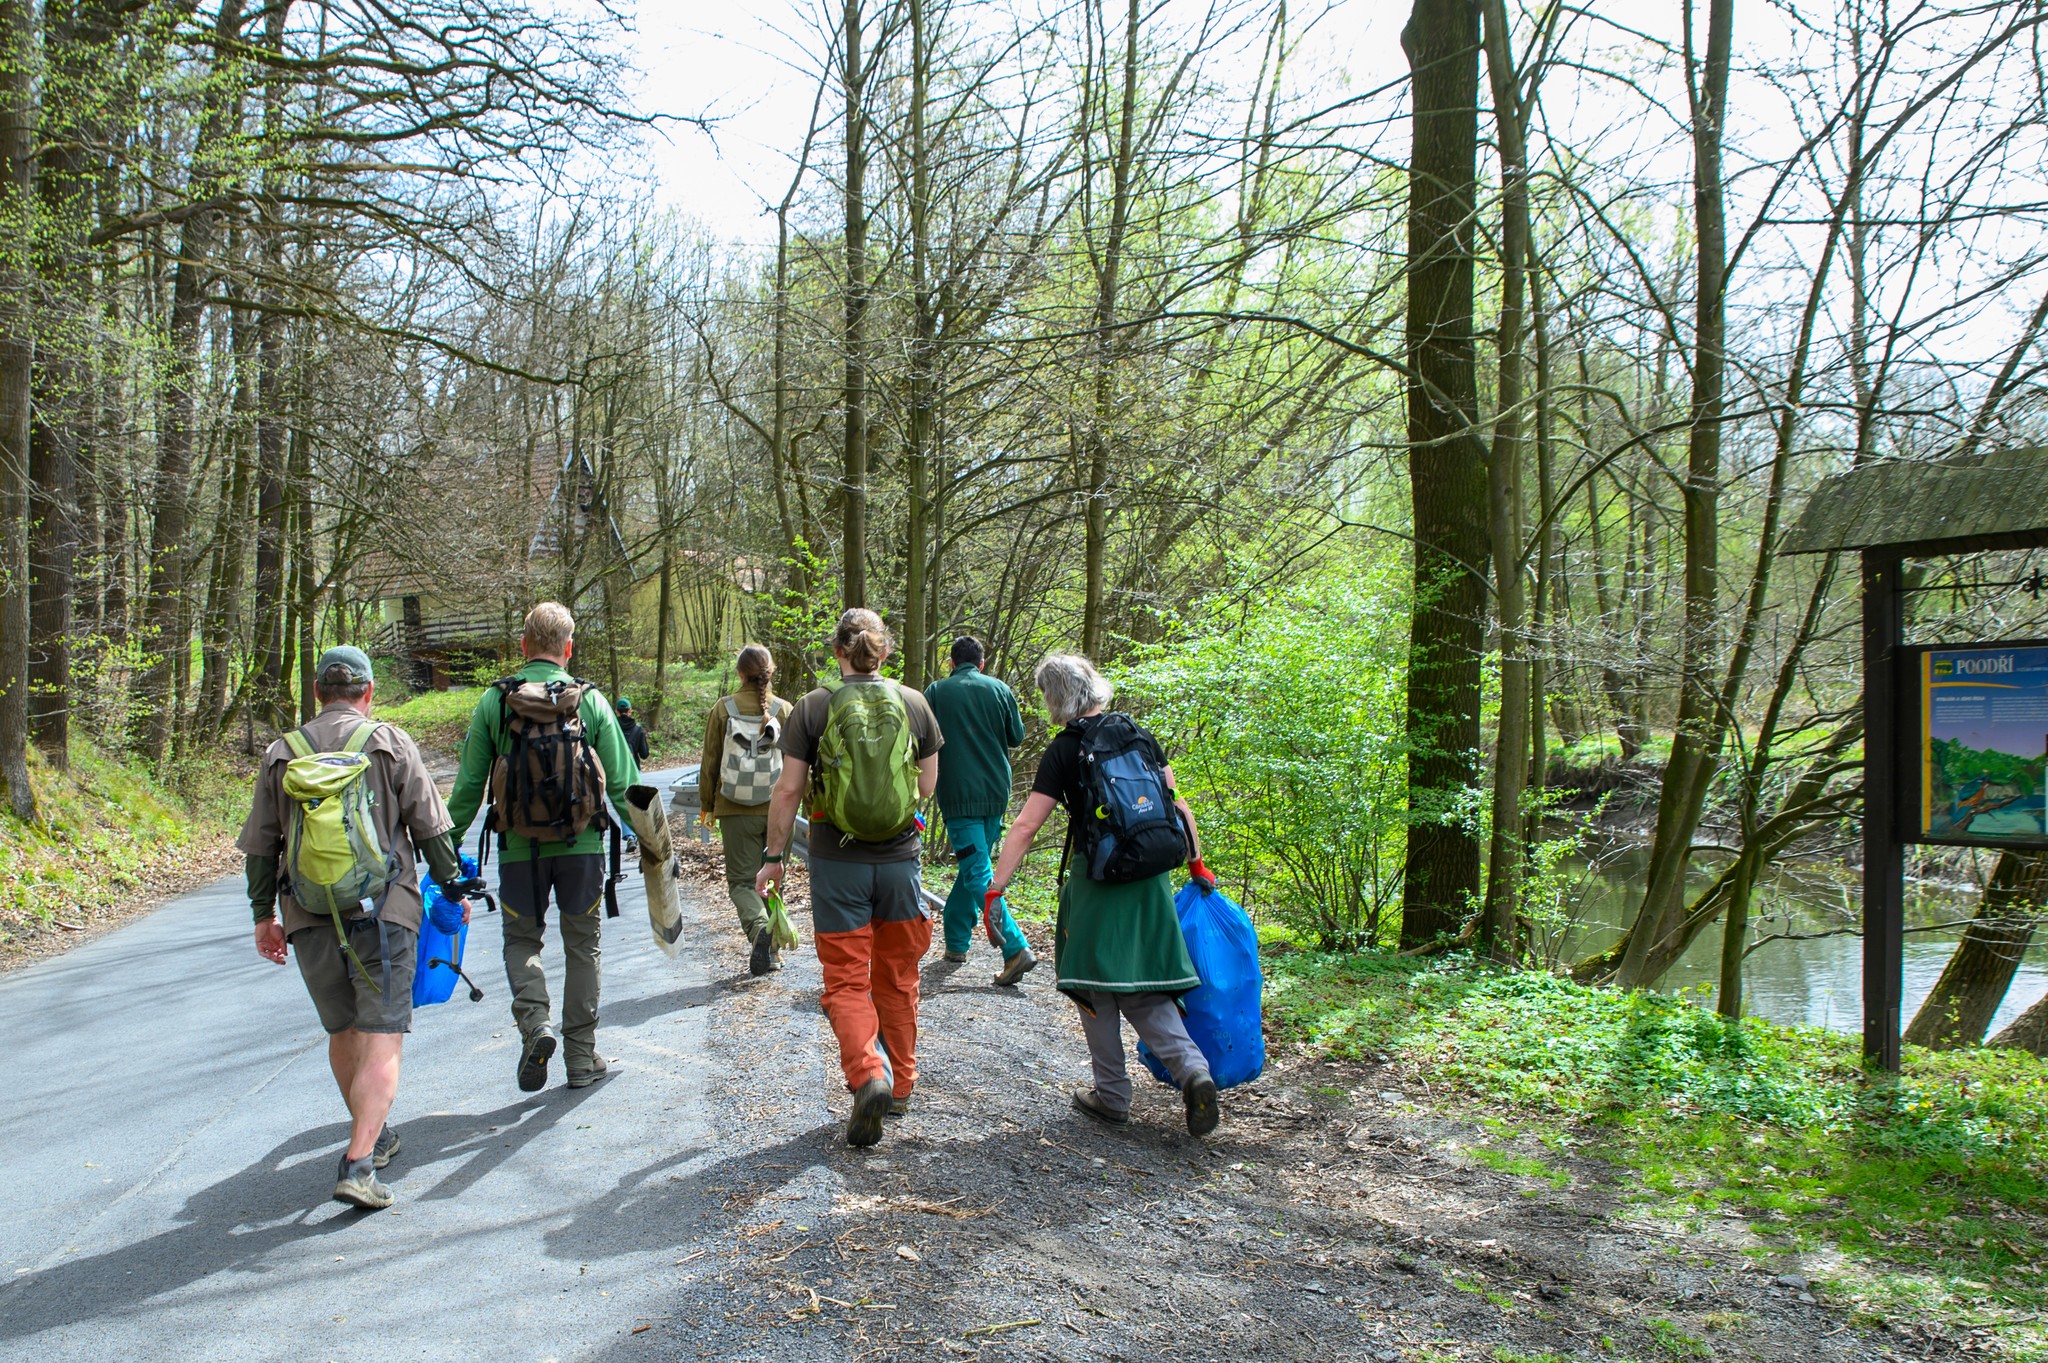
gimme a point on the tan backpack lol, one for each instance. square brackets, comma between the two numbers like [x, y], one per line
[547, 784]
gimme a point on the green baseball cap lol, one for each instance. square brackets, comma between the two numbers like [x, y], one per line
[345, 657]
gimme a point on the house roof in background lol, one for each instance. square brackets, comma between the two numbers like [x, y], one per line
[1999, 495]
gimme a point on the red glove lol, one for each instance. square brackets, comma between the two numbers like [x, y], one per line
[988, 916]
[1201, 874]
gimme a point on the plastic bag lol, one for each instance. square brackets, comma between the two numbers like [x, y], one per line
[1223, 1014]
[778, 924]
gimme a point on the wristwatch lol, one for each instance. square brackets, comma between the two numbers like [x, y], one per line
[770, 856]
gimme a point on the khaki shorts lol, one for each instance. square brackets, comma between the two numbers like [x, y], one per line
[343, 998]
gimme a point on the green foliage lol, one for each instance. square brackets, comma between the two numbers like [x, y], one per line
[1933, 1185]
[108, 829]
[802, 624]
[1284, 714]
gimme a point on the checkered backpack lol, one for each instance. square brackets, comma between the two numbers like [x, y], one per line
[752, 763]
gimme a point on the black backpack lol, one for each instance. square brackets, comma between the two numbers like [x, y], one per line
[1128, 829]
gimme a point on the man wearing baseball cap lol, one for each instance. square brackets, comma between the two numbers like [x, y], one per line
[358, 963]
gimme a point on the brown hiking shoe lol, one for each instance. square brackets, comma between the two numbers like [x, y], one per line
[957, 957]
[1017, 967]
[534, 1054]
[1089, 1101]
[864, 1127]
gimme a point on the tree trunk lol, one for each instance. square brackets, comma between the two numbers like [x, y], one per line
[1109, 274]
[1503, 505]
[165, 600]
[1447, 471]
[269, 645]
[17, 362]
[1694, 742]
[923, 361]
[854, 494]
[2028, 1031]
[1958, 1011]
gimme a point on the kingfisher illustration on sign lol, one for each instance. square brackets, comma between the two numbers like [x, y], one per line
[1984, 743]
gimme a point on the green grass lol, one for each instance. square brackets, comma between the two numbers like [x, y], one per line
[1933, 1186]
[102, 829]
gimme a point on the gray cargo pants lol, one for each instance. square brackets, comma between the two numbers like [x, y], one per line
[1157, 1021]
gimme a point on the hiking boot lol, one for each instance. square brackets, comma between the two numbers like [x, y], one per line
[1199, 1093]
[1017, 967]
[864, 1127]
[957, 957]
[899, 1107]
[763, 959]
[534, 1055]
[356, 1184]
[583, 1079]
[1089, 1101]
[386, 1147]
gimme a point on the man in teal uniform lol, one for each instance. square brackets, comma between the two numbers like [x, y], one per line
[981, 721]
[573, 869]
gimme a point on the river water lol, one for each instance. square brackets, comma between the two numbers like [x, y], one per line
[1804, 979]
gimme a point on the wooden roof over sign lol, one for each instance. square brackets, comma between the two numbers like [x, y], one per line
[2001, 496]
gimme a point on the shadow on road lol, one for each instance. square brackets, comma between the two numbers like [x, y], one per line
[277, 1201]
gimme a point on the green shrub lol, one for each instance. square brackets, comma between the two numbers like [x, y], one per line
[1284, 714]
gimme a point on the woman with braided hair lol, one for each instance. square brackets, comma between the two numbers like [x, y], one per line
[741, 762]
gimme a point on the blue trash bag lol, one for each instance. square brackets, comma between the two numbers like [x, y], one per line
[1223, 1012]
[443, 935]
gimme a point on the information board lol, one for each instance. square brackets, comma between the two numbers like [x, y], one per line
[1984, 745]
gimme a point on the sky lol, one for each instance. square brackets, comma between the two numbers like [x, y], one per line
[740, 63]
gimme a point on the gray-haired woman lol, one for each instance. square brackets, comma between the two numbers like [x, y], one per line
[1118, 948]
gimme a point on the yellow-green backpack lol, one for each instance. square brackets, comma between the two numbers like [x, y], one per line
[333, 858]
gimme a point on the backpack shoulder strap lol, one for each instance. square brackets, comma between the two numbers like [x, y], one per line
[732, 708]
[360, 739]
[300, 745]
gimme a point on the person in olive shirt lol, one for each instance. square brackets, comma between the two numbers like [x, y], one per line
[982, 723]
[368, 1010]
[574, 871]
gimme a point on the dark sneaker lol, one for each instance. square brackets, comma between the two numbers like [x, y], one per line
[1017, 967]
[1089, 1101]
[533, 1061]
[763, 959]
[356, 1184]
[1199, 1094]
[583, 1079]
[386, 1147]
[864, 1127]
[957, 957]
[899, 1107]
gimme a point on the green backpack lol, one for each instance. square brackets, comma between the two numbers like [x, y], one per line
[865, 784]
[332, 855]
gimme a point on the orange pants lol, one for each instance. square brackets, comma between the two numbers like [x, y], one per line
[871, 982]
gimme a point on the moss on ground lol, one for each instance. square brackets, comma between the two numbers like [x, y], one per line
[109, 833]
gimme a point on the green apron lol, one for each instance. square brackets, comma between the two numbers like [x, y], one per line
[1122, 939]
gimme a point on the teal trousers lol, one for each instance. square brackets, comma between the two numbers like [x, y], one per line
[973, 842]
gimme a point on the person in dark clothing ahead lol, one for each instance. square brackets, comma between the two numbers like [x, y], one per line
[629, 728]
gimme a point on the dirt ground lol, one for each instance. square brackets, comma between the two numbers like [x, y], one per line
[1333, 1216]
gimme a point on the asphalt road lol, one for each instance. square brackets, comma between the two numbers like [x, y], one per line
[170, 1129]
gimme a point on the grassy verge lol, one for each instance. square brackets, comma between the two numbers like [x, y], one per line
[437, 720]
[110, 837]
[1931, 1188]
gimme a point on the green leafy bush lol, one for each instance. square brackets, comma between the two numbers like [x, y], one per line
[1283, 711]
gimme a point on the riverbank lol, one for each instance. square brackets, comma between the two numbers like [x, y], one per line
[112, 841]
[1919, 1203]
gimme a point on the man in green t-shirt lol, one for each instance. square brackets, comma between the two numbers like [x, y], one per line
[982, 724]
[572, 869]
